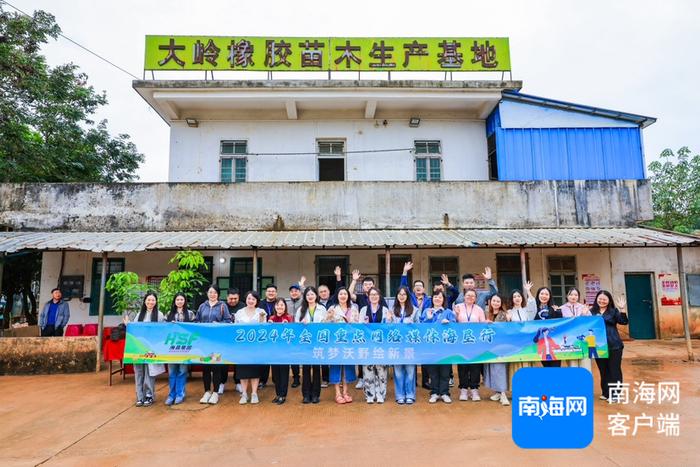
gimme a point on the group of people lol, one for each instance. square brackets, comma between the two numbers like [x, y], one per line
[446, 304]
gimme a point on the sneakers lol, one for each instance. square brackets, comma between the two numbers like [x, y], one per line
[410, 401]
[463, 395]
[370, 400]
[452, 382]
[148, 401]
[139, 403]
[239, 388]
[475, 395]
[179, 400]
[496, 397]
[360, 384]
[603, 398]
[254, 399]
[222, 386]
[380, 399]
[169, 401]
[205, 398]
[214, 399]
[504, 399]
[446, 399]
[401, 401]
[433, 398]
[324, 384]
[243, 400]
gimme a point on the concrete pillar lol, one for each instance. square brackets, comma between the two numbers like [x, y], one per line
[523, 268]
[387, 272]
[684, 302]
[255, 269]
[101, 312]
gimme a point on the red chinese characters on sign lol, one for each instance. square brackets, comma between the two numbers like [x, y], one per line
[670, 289]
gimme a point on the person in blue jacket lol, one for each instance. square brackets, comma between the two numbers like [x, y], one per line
[54, 316]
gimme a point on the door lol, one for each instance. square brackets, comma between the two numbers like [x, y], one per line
[640, 306]
[114, 265]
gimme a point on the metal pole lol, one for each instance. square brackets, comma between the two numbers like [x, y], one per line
[101, 313]
[387, 272]
[684, 303]
[255, 268]
[523, 268]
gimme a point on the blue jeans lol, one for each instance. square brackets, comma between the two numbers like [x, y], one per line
[405, 382]
[177, 375]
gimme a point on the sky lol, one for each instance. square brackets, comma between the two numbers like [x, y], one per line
[633, 56]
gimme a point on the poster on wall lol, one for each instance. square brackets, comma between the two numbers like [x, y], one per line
[591, 285]
[670, 289]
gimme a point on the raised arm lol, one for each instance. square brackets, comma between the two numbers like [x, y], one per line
[355, 277]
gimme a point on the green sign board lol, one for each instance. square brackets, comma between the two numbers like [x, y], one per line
[327, 54]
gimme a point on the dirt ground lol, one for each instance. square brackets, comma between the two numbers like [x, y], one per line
[80, 420]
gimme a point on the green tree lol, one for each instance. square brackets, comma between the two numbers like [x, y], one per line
[675, 190]
[127, 292]
[45, 127]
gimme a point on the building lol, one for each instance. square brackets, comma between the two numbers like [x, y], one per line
[277, 178]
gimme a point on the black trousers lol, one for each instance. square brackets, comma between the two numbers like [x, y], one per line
[551, 363]
[311, 381]
[425, 375]
[439, 379]
[280, 375]
[610, 370]
[224, 374]
[51, 331]
[295, 372]
[359, 371]
[264, 373]
[212, 374]
[325, 373]
[469, 375]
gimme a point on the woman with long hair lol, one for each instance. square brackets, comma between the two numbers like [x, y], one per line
[439, 374]
[496, 374]
[573, 308]
[404, 375]
[177, 372]
[344, 311]
[144, 374]
[311, 312]
[547, 309]
[374, 376]
[613, 314]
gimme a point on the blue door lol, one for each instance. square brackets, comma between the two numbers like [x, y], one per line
[640, 306]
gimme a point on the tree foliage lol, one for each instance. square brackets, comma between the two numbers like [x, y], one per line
[675, 189]
[45, 113]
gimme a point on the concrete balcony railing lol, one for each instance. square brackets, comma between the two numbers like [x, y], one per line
[324, 205]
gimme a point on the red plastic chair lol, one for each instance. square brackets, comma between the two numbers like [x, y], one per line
[90, 329]
[73, 330]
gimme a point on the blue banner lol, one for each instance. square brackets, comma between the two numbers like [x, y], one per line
[379, 344]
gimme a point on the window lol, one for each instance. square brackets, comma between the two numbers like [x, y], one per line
[325, 270]
[241, 276]
[444, 265]
[331, 160]
[72, 286]
[508, 274]
[114, 265]
[562, 276]
[234, 169]
[693, 289]
[493, 160]
[428, 161]
[397, 262]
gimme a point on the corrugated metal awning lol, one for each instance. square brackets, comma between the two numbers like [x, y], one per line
[316, 239]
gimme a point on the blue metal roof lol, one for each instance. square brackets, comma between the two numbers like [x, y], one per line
[642, 120]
